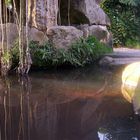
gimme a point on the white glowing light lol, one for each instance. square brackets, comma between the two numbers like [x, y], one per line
[10, 7]
[130, 78]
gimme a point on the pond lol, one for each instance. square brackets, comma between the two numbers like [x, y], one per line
[71, 104]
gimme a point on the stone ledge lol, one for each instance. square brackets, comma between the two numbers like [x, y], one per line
[120, 57]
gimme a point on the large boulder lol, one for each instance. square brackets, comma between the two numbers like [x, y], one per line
[38, 36]
[99, 31]
[92, 11]
[82, 12]
[12, 34]
[63, 36]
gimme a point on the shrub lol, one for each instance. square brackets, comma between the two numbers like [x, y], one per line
[125, 21]
[41, 55]
[79, 53]
[15, 53]
[133, 43]
[86, 50]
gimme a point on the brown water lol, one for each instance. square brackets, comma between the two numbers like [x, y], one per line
[66, 105]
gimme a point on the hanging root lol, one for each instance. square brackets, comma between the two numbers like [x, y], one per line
[29, 62]
[23, 69]
[5, 67]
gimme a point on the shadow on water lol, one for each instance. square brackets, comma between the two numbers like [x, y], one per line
[82, 104]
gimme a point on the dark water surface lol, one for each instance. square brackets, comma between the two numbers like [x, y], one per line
[81, 104]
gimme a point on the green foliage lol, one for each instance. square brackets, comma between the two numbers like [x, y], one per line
[86, 50]
[80, 53]
[6, 57]
[46, 55]
[15, 53]
[131, 2]
[125, 21]
[42, 55]
[133, 43]
[8, 2]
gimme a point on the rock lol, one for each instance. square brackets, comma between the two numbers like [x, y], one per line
[63, 36]
[37, 35]
[99, 31]
[43, 14]
[92, 11]
[12, 35]
[106, 61]
[43, 18]
[98, 1]
[82, 12]
[121, 56]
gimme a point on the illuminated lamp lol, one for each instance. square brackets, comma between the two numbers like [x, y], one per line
[130, 80]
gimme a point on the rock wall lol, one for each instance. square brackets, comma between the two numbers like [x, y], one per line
[43, 13]
[64, 21]
[92, 10]
[87, 16]
[12, 35]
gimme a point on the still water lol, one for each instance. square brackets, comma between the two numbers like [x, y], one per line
[79, 104]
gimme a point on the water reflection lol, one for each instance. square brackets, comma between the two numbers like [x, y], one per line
[71, 105]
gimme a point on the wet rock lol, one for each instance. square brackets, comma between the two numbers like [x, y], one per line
[63, 36]
[106, 60]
